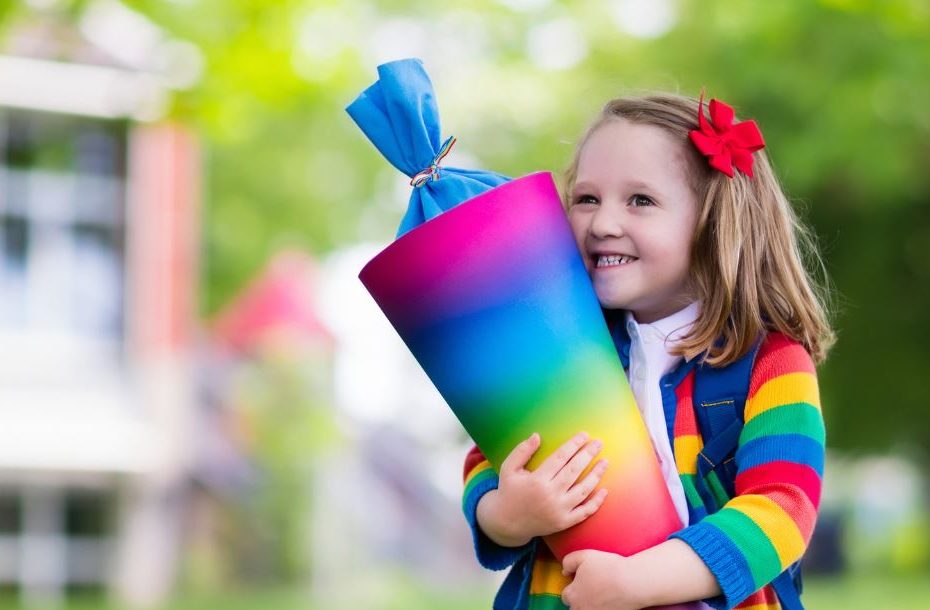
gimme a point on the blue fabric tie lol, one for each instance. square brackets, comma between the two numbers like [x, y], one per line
[398, 113]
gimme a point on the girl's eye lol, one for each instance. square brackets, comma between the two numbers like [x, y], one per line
[640, 201]
[579, 199]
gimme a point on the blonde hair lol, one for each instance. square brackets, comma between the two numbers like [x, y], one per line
[752, 260]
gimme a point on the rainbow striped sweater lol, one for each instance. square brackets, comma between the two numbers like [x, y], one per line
[746, 541]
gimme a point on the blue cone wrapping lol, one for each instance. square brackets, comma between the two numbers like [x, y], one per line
[398, 113]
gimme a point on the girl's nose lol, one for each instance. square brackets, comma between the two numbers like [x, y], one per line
[606, 221]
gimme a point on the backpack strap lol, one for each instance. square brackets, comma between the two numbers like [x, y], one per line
[788, 587]
[719, 403]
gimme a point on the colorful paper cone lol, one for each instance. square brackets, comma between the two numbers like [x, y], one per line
[493, 300]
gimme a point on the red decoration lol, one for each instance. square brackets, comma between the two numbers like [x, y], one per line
[726, 145]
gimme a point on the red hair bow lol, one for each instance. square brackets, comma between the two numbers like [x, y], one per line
[726, 144]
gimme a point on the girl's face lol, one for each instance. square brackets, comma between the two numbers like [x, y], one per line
[633, 215]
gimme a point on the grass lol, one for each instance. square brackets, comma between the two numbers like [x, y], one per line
[851, 592]
[868, 591]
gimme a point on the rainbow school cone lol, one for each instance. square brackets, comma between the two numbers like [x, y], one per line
[493, 299]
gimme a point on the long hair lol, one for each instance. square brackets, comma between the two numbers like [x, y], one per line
[753, 263]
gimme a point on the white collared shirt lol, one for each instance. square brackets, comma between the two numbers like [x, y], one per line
[649, 361]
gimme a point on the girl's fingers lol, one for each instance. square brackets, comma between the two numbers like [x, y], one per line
[582, 489]
[521, 454]
[573, 469]
[555, 462]
[586, 509]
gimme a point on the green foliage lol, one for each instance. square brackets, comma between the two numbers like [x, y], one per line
[282, 395]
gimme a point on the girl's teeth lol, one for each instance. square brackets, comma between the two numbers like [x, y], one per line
[612, 261]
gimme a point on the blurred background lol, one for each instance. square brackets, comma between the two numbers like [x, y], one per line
[200, 406]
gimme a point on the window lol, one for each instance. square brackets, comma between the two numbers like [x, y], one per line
[61, 224]
[55, 538]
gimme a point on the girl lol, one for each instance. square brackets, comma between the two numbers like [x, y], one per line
[696, 258]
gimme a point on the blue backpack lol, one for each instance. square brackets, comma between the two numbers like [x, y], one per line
[719, 399]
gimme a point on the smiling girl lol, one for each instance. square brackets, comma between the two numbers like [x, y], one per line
[695, 255]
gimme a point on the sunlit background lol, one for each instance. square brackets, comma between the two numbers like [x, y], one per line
[201, 407]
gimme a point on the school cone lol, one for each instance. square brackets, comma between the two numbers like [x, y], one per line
[493, 299]
[487, 288]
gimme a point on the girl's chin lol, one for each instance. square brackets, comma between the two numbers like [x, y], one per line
[612, 301]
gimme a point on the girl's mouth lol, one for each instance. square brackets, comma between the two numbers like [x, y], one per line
[613, 260]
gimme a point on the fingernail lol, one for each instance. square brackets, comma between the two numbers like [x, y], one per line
[597, 444]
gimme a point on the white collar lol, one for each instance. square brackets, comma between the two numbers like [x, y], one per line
[667, 330]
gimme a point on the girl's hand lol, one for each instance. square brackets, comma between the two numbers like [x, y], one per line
[603, 581]
[547, 500]
[668, 575]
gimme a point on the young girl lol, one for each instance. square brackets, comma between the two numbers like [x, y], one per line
[696, 257]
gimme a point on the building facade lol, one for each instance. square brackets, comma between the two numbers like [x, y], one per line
[98, 264]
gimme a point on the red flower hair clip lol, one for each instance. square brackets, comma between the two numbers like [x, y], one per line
[725, 144]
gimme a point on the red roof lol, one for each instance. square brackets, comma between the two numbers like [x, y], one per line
[279, 302]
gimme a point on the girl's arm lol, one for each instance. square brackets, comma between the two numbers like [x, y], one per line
[666, 574]
[672, 573]
[768, 524]
[480, 479]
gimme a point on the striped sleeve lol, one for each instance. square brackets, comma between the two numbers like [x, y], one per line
[780, 457]
[480, 478]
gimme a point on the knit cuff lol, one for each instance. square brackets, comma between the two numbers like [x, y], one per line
[723, 559]
[490, 555]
